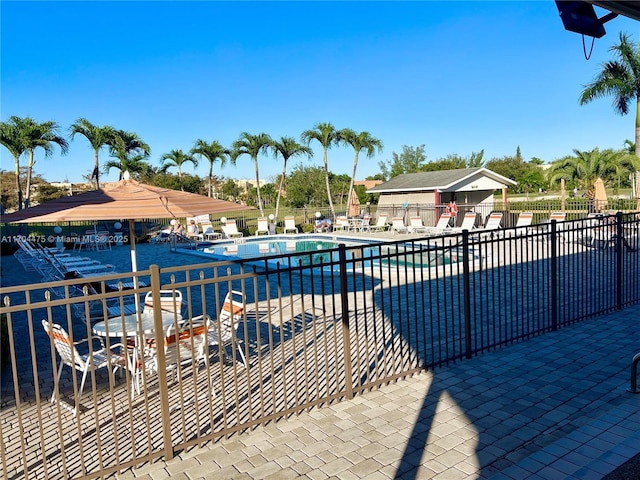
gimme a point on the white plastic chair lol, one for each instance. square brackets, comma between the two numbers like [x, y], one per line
[69, 355]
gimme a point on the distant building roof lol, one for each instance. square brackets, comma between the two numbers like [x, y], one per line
[368, 183]
[442, 180]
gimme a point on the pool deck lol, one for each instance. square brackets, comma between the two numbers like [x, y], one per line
[547, 408]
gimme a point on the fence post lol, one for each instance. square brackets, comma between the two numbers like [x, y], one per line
[554, 276]
[163, 386]
[620, 244]
[466, 292]
[346, 337]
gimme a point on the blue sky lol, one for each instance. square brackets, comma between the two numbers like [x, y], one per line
[455, 76]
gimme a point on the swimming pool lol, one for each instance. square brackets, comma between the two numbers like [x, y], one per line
[322, 251]
[288, 250]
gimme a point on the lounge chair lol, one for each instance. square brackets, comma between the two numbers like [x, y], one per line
[416, 225]
[559, 218]
[290, 224]
[209, 233]
[493, 223]
[381, 225]
[442, 226]
[263, 226]
[230, 229]
[522, 225]
[193, 232]
[468, 223]
[398, 226]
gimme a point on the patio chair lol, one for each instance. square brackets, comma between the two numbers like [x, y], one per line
[170, 301]
[416, 225]
[441, 226]
[230, 229]
[381, 224]
[186, 344]
[398, 226]
[290, 224]
[223, 332]
[263, 226]
[69, 356]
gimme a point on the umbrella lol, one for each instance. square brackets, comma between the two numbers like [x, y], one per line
[127, 199]
[354, 205]
[600, 195]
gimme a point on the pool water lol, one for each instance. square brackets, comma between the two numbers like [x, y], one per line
[256, 250]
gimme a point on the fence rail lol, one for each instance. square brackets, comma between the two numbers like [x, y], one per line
[317, 326]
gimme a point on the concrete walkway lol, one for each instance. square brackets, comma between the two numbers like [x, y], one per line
[552, 407]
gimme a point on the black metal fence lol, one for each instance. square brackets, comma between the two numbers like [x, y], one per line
[323, 318]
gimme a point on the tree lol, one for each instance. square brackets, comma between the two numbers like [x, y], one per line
[10, 138]
[131, 152]
[40, 135]
[231, 190]
[253, 145]
[582, 169]
[411, 160]
[306, 187]
[213, 152]
[620, 78]
[359, 141]
[453, 161]
[177, 158]
[327, 136]
[98, 137]
[287, 147]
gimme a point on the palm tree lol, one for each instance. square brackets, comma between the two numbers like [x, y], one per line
[135, 164]
[98, 137]
[327, 136]
[10, 138]
[359, 141]
[629, 146]
[287, 147]
[620, 78]
[253, 145]
[213, 152]
[40, 135]
[584, 168]
[129, 149]
[177, 158]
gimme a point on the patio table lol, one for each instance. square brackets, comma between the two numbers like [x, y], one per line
[113, 327]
